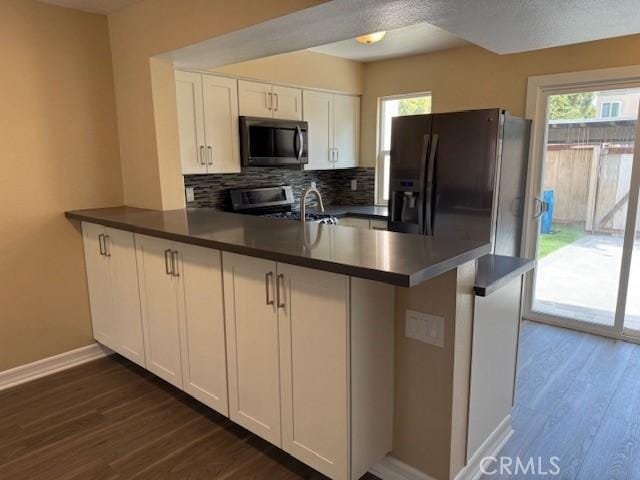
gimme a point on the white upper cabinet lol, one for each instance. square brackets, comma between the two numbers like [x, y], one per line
[287, 103]
[334, 130]
[255, 99]
[220, 96]
[265, 100]
[318, 112]
[113, 290]
[346, 130]
[191, 122]
[207, 123]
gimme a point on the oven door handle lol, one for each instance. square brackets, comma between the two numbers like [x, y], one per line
[298, 141]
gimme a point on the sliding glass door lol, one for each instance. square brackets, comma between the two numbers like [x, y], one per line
[583, 227]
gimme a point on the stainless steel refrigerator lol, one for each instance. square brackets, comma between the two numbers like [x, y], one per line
[461, 175]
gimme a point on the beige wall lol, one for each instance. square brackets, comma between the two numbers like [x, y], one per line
[471, 77]
[59, 151]
[305, 69]
[151, 171]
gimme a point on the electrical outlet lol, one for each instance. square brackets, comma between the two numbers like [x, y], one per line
[189, 193]
[313, 185]
[424, 327]
[354, 185]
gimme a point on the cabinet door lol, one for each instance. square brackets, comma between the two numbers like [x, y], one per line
[346, 128]
[379, 225]
[105, 328]
[287, 103]
[252, 344]
[354, 222]
[318, 112]
[314, 364]
[160, 309]
[255, 99]
[190, 122]
[204, 361]
[126, 295]
[221, 124]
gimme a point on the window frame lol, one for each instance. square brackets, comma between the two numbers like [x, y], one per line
[380, 151]
[610, 103]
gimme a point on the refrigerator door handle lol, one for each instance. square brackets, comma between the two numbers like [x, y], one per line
[428, 216]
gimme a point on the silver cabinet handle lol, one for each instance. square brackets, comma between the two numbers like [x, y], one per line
[277, 102]
[202, 161]
[268, 279]
[210, 155]
[107, 251]
[337, 155]
[174, 264]
[269, 98]
[100, 240]
[167, 262]
[279, 288]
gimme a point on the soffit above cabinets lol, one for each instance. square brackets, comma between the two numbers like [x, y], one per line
[501, 26]
[103, 7]
[418, 38]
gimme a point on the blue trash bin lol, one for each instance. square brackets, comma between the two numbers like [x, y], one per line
[547, 217]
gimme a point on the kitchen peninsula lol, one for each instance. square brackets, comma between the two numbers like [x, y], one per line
[299, 332]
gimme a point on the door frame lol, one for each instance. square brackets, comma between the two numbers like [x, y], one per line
[539, 88]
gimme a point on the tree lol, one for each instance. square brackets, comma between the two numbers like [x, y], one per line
[414, 106]
[572, 106]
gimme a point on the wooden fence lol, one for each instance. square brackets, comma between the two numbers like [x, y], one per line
[590, 184]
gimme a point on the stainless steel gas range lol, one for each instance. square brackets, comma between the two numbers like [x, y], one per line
[271, 202]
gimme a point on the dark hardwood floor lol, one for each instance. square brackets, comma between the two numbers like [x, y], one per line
[110, 419]
[577, 398]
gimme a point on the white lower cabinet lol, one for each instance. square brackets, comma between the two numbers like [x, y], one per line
[314, 367]
[252, 344]
[300, 357]
[292, 358]
[112, 277]
[182, 314]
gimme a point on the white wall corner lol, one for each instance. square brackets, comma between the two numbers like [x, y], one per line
[47, 366]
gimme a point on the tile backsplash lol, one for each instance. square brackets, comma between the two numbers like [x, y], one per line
[334, 185]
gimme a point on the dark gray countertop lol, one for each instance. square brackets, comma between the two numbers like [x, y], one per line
[375, 212]
[396, 258]
[495, 271]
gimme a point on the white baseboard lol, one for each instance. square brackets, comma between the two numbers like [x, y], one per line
[390, 468]
[490, 448]
[47, 366]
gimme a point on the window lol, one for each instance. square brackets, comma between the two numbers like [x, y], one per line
[610, 110]
[389, 107]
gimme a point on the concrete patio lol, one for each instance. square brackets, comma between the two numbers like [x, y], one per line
[580, 281]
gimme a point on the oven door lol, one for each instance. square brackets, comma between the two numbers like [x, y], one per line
[268, 142]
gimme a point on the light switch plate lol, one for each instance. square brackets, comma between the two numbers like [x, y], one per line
[189, 193]
[424, 327]
[354, 185]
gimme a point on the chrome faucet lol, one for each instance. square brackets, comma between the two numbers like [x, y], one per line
[303, 200]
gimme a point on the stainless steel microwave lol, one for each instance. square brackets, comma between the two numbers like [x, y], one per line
[268, 142]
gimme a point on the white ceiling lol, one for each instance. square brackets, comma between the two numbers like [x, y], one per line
[418, 38]
[103, 7]
[501, 26]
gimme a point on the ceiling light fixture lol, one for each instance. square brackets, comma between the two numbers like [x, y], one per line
[371, 38]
